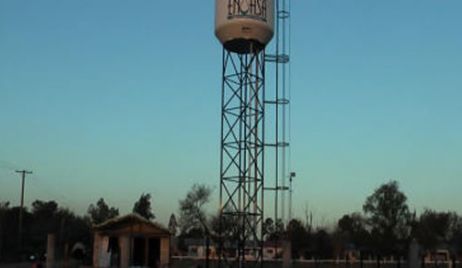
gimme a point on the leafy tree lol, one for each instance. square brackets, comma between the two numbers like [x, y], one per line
[278, 230]
[44, 215]
[101, 212]
[10, 219]
[435, 228]
[268, 228]
[323, 244]
[298, 236]
[352, 229]
[72, 228]
[44, 208]
[388, 216]
[4, 207]
[273, 231]
[193, 233]
[143, 207]
[230, 227]
[192, 214]
[351, 223]
[456, 239]
[44, 221]
[172, 225]
[193, 221]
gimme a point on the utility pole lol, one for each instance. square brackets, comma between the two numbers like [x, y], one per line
[23, 177]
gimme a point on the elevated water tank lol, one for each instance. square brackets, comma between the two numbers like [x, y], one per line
[243, 26]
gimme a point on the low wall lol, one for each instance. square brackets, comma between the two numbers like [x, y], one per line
[187, 262]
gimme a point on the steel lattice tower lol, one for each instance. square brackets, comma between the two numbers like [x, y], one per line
[242, 158]
[244, 28]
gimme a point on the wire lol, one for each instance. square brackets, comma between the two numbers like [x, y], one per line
[8, 165]
[50, 190]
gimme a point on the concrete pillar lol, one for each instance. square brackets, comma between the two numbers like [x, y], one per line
[97, 244]
[51, 250]
[286, 254]
[413, 257]
[125, 249]
[164, 251]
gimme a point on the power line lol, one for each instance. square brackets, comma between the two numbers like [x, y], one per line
[7, 165]
[43, 186]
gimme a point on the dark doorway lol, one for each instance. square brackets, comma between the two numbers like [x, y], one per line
[113, 248]
[154, 253]
[138, 251]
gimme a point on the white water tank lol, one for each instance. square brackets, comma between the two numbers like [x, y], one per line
[244, 26]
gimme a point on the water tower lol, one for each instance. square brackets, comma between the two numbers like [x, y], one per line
[244, 27]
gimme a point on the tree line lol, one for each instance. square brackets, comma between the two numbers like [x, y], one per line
[385, 227]
[47, 217]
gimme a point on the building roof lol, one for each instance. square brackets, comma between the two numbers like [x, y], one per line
[130, 220]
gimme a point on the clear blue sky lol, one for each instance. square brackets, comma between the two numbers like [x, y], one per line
[115, 98]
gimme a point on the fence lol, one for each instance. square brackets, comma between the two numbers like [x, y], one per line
[189, 262]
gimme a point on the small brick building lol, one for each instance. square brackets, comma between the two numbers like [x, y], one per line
[130, 240]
